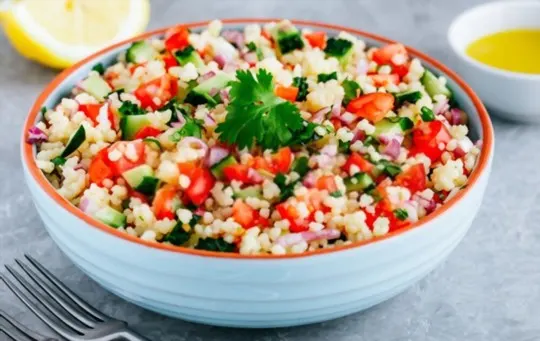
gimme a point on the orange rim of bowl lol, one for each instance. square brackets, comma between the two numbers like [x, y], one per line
[28, 155]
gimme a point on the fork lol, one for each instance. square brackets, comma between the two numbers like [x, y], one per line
[21, 330]
[75, 319]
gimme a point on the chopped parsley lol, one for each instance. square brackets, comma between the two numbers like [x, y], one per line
[192, 127]
[371, 141]
[352, 90]
[99, 68]
[301, 165]
[336, 194]
[401, 214]
[286, 189]
[184, 53]
[302, 85]
[128, 108]
[253, 48]
[43, 110]
[289, 41]
[344, 147]
[215, 244]
[391, 169]
[179, 236]
[257, 115]
[325, 77]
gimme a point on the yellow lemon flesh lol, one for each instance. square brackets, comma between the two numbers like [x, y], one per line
[58, 33]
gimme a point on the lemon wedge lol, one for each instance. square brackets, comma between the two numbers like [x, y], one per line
[58, 33]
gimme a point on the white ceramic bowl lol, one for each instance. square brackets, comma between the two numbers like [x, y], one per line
[511, 95]
[257, 291]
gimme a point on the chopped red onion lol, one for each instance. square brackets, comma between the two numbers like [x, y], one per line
[307, 236]
[230, 67]
[309, 180]
[224, 94]
[323, 160]
[213, 92]
[220, 60]
[459, 152]
[412, 212]
[206, 76]
[387, 138]
[234, 37]
[215, 154]
[251, 58]
[319, 116]
[362, 67]
[254, 176]
[209, 121]
[359, 135]
[479, 143]
[336, 108]
[441, 107]
[88, 206]
[457, 117]
[36, 135]
[330, 150]
[191, 141]
[428, 204]
[81, 165]
[200, 211]
[348, 117]
[392, 149]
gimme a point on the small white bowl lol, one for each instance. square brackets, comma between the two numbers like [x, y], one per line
[511, 95]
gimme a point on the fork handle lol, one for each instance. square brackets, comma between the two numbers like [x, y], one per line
[130, 335]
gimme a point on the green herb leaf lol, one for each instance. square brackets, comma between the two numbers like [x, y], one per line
[391, 169]
[129, 108]
[401, 214]
[43, 111]
[427, 114]
[286, 189]
[344, 147]
[192, 127]
[301, 165]
[352, 90]
[185, 53]
[325, 77]
[99, 68]
[215, 244]
[371, 141]
[257, 115]
[302, 85]
[336, 194]
[251, 46]
[178, 236]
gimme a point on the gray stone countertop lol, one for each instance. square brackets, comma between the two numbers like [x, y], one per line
[487, 290]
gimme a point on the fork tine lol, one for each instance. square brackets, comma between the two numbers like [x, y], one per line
[45, 301]
[37, 311]
[31, 334]
[55, 296]
[66, 291]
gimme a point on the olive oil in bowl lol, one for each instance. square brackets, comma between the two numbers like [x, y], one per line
[515, 50]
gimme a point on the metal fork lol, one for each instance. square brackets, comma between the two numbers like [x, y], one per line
[75, 320]
[18, 332]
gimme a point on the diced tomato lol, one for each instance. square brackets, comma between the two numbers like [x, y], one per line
[287, 92]
[100, 169]
[426, 139]
[236, 172]
[244, 214]
[124, 164]
[166, 201]
[259, 162]
[134, 194]
[326, 182]
[169, 60]
[359, 161]
[176, 38]
[147, 131]
[205, 51]
[187, 168]
[162, 89]
[384, 80]
[413, 178]
[316, 39]
[401, 70]
[91, 111]
[385, 54]
[201, 184]
[289, 212]
[282, 160]
[336, 122]
[372, 106]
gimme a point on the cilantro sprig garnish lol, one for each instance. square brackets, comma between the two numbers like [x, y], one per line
[257, 115]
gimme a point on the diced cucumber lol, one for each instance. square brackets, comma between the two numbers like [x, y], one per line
[189, 55]
[410, 96]
[433, 86]
[392, 126]
[387, 168]
[111, 217]
[216, 83]
[75, 141]
[217, 169]
[360, 182]
[288, 40]
[342, 49]
[140, 52]
[131, 124]
[249, 192]
[190, 128]
[96, 86]
[141, 179]
[300, 166]
[153, 143]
